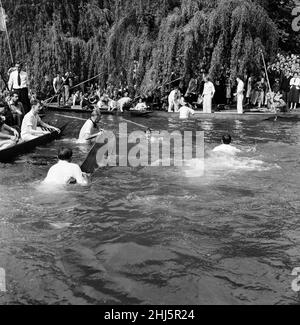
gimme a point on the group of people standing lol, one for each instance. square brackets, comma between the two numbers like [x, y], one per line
[62, 85]
[177, 100]
[290, 88]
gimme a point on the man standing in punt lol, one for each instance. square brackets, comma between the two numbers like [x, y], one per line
[240, 95]
[174, 99]
[58, 86]
[208, 95]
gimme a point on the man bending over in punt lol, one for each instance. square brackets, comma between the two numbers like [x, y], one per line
[31, 121]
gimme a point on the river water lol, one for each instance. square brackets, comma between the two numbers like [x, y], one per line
[157, 235]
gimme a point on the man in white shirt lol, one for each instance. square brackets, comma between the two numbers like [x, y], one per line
[226, 147]
[240, 95]
[174, 98]
[64, 172]
[31, 121]
[208, 95]
[90, 127]
[185, 111]
[18, 82]
[58, 84]
[141, 106]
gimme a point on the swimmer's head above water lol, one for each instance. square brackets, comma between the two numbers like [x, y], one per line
[226, 139]
[65, 154]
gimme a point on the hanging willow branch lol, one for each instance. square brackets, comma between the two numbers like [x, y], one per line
[140, 43]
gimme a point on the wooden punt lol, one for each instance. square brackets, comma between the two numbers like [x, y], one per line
[77, 109]
[9, 154]
[139, 113]
[232, 115]
[66, 108]
[222, 115]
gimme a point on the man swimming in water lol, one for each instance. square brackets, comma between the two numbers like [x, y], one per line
[65, 172]
[226, 147]
[185, 111]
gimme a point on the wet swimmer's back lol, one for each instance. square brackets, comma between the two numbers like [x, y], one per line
[226, 147]
[65, 172]
[185, 111]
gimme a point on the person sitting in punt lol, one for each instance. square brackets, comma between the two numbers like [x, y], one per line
[31, 121]
[90, 127]
[226, 147]
[8, 136]
[275, 102]
[17, 109]
[6, 112]
[141, 106]
[77, 99]
[65, 172]
[185, 111]
[104, 102]
[85, 103]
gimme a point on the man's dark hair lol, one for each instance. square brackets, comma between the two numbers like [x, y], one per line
[65, 154]
[35, 102]
[227, 139]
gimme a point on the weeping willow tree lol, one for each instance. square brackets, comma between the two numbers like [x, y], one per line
[56, 35]
[139, 43]
[239, 30]
[184, 37]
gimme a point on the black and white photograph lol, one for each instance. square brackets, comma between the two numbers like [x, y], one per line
[149, 155]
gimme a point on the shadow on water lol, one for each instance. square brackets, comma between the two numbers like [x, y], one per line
[157, 235]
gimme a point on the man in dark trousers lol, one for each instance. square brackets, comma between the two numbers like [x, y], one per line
[18, 83]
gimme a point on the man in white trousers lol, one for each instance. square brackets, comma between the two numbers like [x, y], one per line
[240, 95]
[174, 99]
[208, 95]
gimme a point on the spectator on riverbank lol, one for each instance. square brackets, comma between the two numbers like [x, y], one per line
[294, 92]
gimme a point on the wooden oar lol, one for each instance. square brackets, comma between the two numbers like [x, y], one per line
[140, 125]
[71, 117]
[90, 165]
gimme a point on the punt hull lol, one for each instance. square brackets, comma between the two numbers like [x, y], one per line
[9, 154]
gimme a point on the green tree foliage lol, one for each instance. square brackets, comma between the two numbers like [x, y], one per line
[140, 43]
